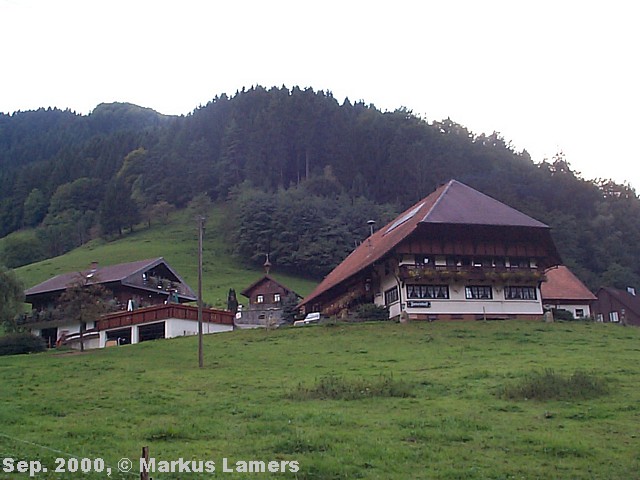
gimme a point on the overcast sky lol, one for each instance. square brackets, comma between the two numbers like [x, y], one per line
[550, 76]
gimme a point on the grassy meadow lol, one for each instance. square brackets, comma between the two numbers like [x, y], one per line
[444, 417]
[177, 242]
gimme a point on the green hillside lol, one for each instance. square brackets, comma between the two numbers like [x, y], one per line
[177, 242]
[70, 176]
[428, 402]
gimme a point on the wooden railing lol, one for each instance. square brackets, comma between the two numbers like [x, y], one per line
[38, 316]
[163, 312]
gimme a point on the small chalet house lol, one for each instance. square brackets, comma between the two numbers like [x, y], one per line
[266, 297]
[146, 298]
[562, 290]
[456, 254]
[617, 306]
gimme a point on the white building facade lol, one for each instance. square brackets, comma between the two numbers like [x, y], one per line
[456, 292]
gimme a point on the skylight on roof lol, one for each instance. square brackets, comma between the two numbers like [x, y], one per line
[408, 216]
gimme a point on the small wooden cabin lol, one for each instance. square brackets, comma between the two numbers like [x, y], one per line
[266, 296]
[617, 306]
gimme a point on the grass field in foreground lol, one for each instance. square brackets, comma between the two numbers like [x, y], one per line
[243, 405]
[177, 242]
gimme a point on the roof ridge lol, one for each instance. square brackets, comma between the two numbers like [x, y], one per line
[268, 276]
[460, 203]
[440, 197]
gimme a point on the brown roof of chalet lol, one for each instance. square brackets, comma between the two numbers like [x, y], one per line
[451, 203]
[630, 301]
[563, 285]
[108, 274]
[246, 291]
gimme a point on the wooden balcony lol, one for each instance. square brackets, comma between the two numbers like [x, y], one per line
[447, 274]
[48, 315]
[163, 312]
[162, 284]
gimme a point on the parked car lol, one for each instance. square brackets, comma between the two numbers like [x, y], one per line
[313, 317]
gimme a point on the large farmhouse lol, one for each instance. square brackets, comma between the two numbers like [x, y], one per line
[145, 298]
[456, 254]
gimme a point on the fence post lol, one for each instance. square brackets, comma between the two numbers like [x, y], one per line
[144, 473]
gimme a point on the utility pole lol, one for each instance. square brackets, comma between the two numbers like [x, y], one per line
[200, 235]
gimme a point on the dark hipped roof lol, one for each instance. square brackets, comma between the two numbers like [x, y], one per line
[104, 275]
[563, 285]
[452, 203]
[265, 278]
[460, 204]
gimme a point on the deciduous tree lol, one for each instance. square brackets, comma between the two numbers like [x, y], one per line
[11, 298]
[84, 301]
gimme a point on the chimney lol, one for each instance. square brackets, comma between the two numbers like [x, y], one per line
[371, 224]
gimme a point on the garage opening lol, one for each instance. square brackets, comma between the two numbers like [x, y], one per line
[50, 336]
[121, 336]
[153, 331]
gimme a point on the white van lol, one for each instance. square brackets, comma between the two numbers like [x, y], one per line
[313, 317]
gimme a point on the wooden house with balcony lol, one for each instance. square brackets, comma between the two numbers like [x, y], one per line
[132, 285]
[456, 254]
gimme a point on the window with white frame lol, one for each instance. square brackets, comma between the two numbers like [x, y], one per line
[260, 298]
[428, 291]
[579, 312]
[478, 292]
[391, 296]
[613, 317]
[520, 293]
[276, 297]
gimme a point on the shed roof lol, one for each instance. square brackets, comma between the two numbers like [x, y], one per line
[451, 203]
[563, 285]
